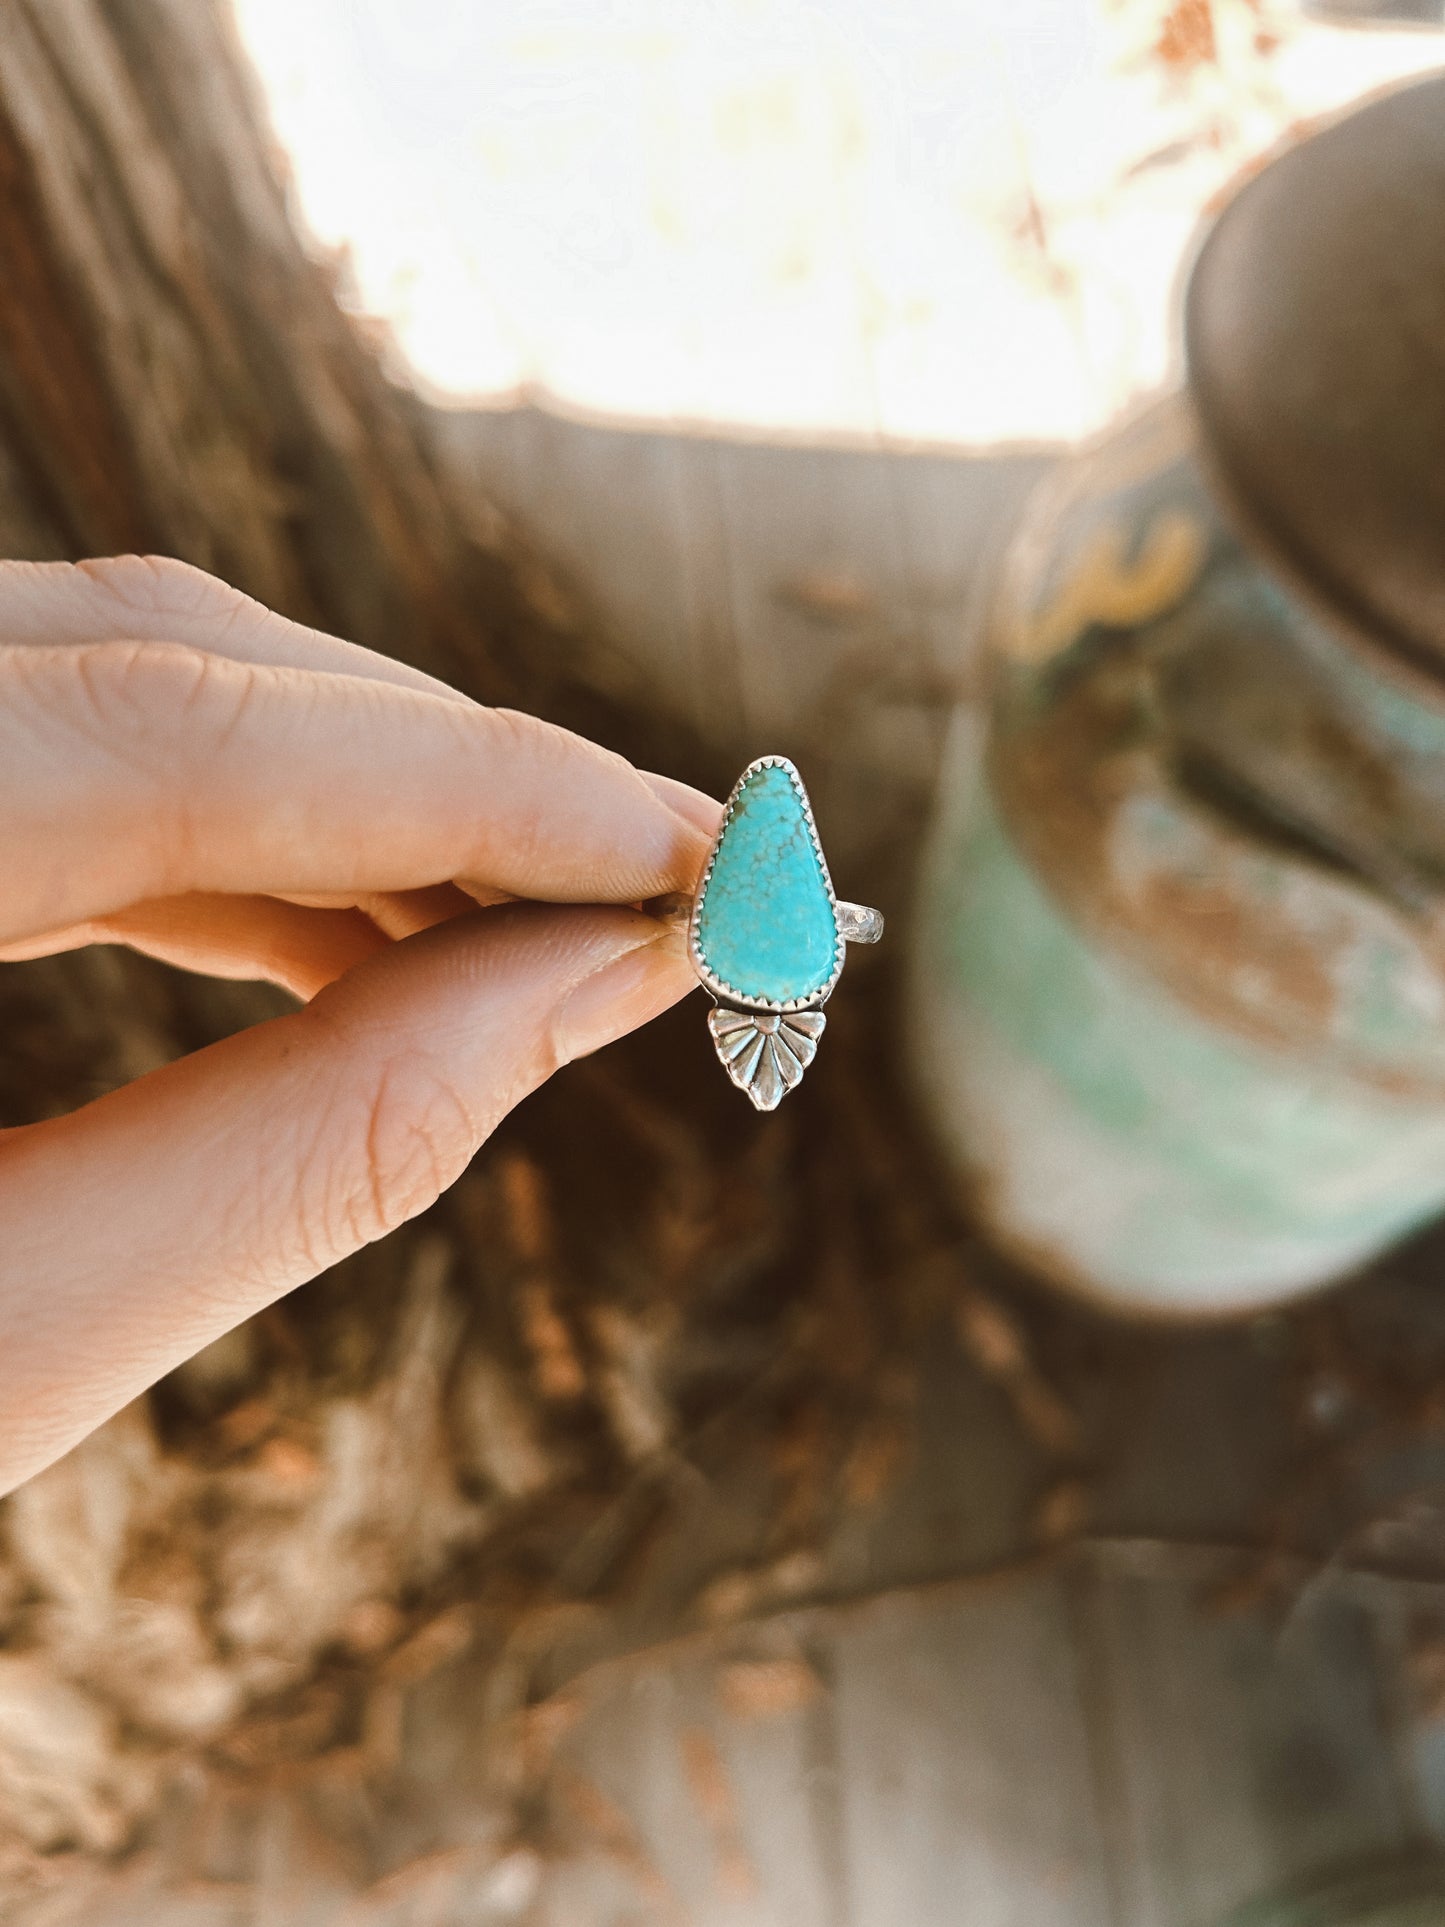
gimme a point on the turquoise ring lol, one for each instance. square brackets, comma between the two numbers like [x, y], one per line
[767, 935]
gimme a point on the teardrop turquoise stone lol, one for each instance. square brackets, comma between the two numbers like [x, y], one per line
[766, 925]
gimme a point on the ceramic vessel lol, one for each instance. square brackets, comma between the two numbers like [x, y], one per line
[1410, 1895]
[1179, 994]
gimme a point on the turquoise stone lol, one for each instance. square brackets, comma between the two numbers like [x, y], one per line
[766, 924]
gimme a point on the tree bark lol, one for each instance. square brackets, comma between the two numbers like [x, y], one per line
[176, 373]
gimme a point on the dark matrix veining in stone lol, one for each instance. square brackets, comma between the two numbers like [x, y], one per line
[766, 925]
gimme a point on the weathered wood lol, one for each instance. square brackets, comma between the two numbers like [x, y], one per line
[245, 1576]
[1241, 1759]
[826, 601]
[963, 1763]
[176, 372]
[346, 1570]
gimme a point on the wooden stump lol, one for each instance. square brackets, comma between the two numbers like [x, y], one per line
[460, 1446]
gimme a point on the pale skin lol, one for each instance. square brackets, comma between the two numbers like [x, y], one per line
[449, 889]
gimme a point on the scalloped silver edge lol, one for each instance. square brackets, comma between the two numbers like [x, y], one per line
[723, 990]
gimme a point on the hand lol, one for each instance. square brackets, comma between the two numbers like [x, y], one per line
[185, 772]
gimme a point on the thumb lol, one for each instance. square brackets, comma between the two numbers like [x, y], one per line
[141, 1227]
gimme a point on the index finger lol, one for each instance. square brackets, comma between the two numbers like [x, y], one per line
[135, 770]
[155, 598]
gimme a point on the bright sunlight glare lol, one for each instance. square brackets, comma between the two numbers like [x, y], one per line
[937, 220]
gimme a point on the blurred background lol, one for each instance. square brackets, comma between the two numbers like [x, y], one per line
[943, 1502]
[739, 286]
[949, 226]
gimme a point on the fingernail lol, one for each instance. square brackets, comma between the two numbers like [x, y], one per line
[640, 984]
[699, 812]
[695, 817]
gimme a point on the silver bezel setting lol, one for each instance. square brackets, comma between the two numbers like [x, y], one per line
[718, 986]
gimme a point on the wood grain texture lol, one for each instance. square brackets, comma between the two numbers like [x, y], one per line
[1088, 1738]
[1245, 1758]
[827, 602]
[176, 371]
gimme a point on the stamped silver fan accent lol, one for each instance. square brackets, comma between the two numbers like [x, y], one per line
[765, 1052]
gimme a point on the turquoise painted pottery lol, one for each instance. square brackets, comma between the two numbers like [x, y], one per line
[1178, 1000]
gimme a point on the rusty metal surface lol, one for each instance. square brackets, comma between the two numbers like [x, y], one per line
[1315, 331]
[1187, 937]
[1209, 781]
[1253, 931]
